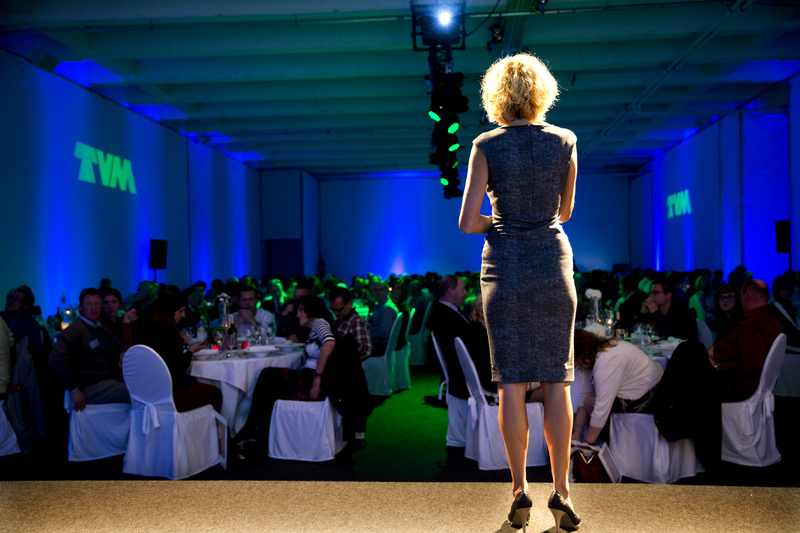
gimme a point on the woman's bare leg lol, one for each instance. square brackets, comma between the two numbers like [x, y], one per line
[514, 427]
[557, 432]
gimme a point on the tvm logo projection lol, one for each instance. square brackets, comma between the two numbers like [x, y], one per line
[679, 204]
[114, 171]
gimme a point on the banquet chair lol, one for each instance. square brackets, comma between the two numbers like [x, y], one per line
[704, 334]
[418, 343]
[8, 439]
[97, 432]
[484, 442]
[457, 408]
[305, 431]
[378, 370]
[748, 427]
[401, 379]
[163, 442]
[641, 453]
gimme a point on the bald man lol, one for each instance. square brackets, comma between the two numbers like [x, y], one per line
[739, 356]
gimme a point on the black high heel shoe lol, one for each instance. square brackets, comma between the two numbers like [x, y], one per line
[563, 513]
[519, 516]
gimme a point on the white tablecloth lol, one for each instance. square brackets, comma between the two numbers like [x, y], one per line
[237, 378]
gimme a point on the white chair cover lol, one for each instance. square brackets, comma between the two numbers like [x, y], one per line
[8, 439]
[457, 408]
[378, 370]
[641, 453]
[418, 343]
[305, 431]
[99, 431]
[162, 441]
[748, 427]
[704, 334]
[484, 441]
[401, 378]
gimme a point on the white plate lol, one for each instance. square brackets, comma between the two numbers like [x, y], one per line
[206, 352]
[261, 349]
[279, 340]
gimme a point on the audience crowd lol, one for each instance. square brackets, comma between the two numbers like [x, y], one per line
[354, 319]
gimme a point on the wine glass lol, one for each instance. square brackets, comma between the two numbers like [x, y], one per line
[219, 336]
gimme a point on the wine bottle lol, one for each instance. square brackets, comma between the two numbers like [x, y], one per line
[233, 341]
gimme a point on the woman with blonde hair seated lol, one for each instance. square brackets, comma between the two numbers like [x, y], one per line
[624, 380]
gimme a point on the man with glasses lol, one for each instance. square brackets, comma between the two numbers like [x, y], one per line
[348, 321]
[670, 317]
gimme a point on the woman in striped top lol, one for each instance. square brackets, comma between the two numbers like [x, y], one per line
[303, 383]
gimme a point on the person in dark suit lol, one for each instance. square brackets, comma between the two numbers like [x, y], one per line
[631, 301]
[446, 324]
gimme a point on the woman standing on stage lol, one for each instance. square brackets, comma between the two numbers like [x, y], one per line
[528, 168]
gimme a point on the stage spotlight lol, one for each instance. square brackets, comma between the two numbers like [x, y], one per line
[438, 25]
[444, 18]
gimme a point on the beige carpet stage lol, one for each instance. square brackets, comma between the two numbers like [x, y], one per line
[287, 506]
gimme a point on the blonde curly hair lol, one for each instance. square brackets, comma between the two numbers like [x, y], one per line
[518, 86]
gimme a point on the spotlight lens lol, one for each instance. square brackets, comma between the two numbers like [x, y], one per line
[444, 181]
[453, 128]
[454, 147]
[434, 116]
[444, 18]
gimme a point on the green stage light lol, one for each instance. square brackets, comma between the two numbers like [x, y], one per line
[444, 182]
[455, 164]
[453, 127]
[454, 147]
[434, 116]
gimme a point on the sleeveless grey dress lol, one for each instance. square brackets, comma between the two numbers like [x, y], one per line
[526, 277]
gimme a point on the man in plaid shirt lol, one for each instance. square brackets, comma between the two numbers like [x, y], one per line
[348, 321]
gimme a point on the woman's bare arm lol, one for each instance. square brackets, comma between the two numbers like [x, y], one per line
[471, 220]
[568, 194]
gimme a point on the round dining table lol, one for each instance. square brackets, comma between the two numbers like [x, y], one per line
[236, 377]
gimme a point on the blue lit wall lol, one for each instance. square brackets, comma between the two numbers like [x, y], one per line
[406, 225]
[766, 191]
[311, 224]
[224, 203]
[794, 166]
[737, 173]
[61, 234]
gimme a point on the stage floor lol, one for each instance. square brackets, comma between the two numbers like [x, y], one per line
[347, 507]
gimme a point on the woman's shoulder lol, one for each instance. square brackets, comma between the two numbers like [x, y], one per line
[490, 135]
[563, 133]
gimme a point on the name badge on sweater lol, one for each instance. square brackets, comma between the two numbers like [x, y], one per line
[94, 344]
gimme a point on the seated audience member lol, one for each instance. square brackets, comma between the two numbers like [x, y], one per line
[630, 301]
[382, 318]
[122, 327]
[19, 320]
[146, 294]
[348, 321]
[160, 332]
[195, 310]
[250, 314]
[702, 301]
[400, 300]
[670, 317]
[419, 302]
[783, 310]
[274, 300]
[87, 357]
[728, 308]
[6, 343]
[447, 323]
[477, 341]
[623, 380]
[304, 383]
[232, 289]
[105, 283]
[287, 322]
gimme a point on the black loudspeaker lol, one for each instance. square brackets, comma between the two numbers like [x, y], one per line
[158, 254]
[783, 236]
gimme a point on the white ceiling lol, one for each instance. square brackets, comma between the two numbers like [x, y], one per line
[335, 88]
